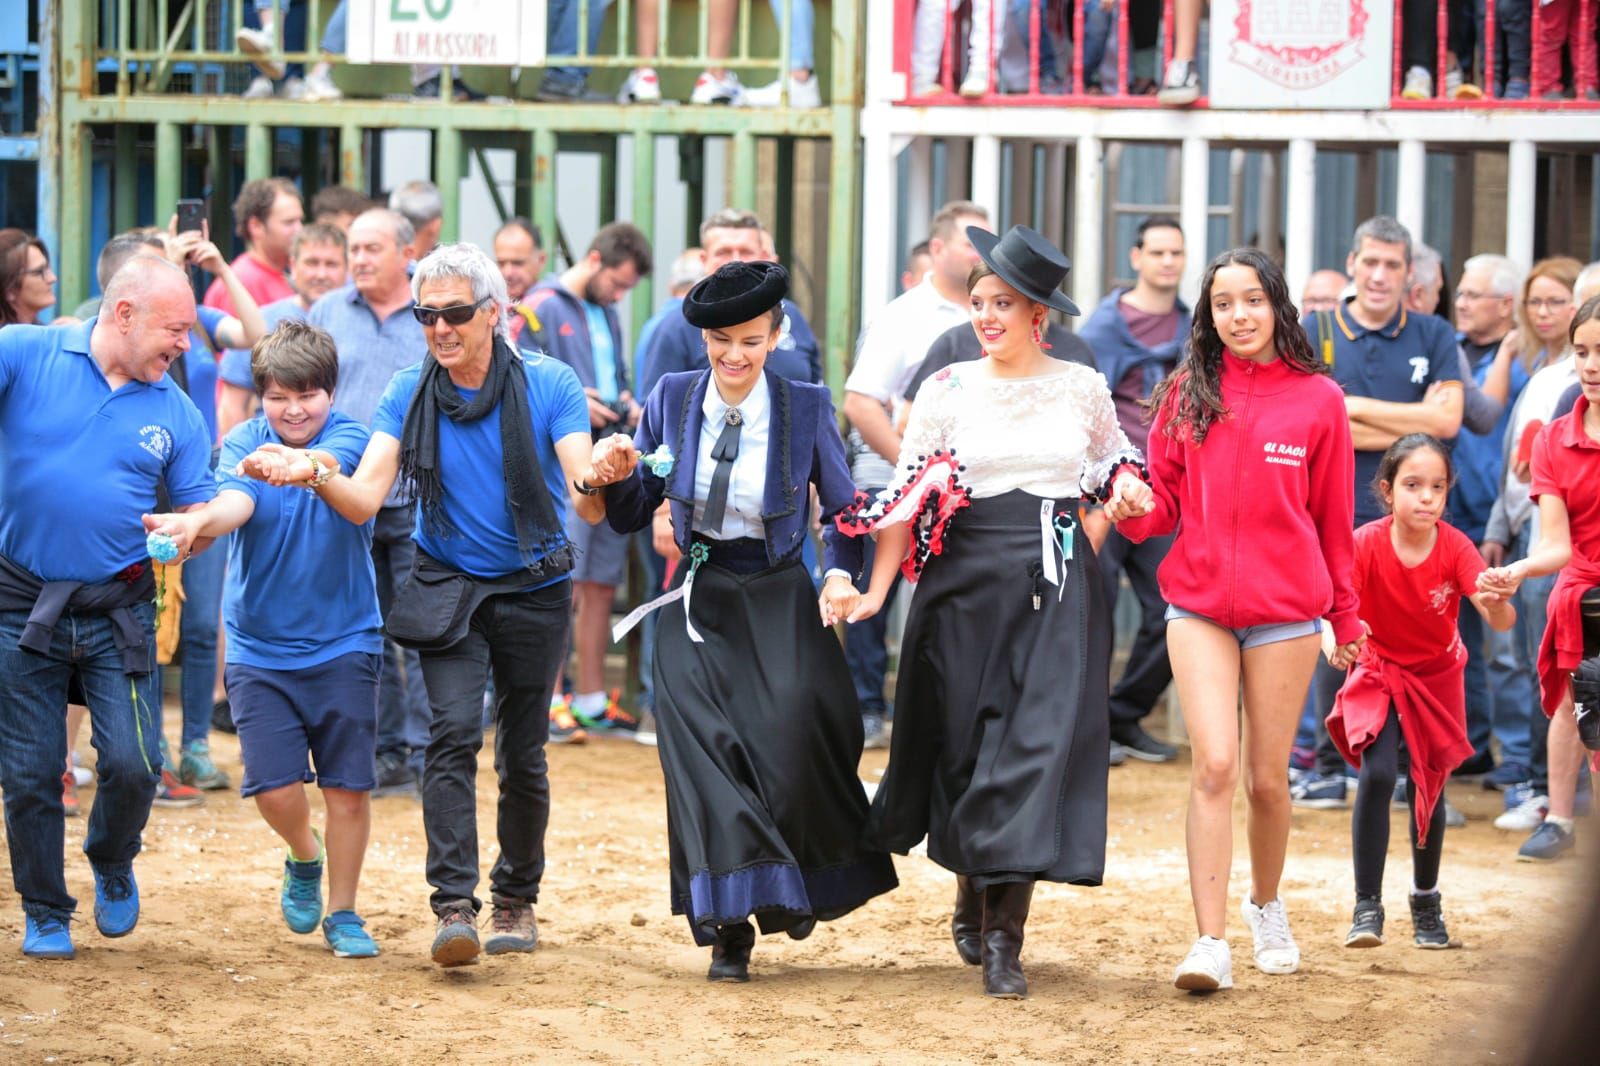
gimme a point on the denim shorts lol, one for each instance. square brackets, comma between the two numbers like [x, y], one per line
[1255, 636]
[327, 713]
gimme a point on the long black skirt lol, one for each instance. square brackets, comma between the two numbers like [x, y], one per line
[1001, 740]
[759, 733]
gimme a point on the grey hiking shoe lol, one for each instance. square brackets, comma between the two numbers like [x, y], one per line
[512, 927]
[455, 940]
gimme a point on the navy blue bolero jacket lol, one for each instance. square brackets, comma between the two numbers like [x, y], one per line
[804, 447]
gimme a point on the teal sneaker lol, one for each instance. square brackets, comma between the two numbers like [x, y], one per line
[116, 901]
[301, 897]
[47, 938]
[346, 934]
[196, 768]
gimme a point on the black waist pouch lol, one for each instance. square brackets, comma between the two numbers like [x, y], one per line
[433, 609]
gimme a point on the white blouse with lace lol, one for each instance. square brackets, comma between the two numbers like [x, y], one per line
[1053, 435]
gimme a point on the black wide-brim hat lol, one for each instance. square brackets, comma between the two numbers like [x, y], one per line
[736, 292]
[1027, 261]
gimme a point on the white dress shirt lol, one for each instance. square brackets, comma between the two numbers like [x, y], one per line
[747, 486]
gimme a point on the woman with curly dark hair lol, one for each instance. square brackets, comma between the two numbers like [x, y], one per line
[1251, 461]
[27, 284]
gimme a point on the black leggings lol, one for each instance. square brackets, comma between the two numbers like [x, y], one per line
[1369, 825]
[1589, 605]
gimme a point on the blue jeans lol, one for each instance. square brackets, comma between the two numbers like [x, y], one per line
[563, 39]
[1515, 689]
[333, 35]
[403, 715]
[197, 638]
[291, 27]
[864, 649]
[1480, 704]
[1513, 29]
[1533, 604]
[33, 751]
[802, 48]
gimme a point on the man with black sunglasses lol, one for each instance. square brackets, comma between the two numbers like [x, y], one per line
[371, 322]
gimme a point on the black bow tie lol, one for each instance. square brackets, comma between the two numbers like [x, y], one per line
[725, 451]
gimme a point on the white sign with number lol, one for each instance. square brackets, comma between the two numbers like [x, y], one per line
[1329, 54]
[480, 33]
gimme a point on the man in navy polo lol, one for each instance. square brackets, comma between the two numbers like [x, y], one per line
[1387, 360]
[90, 407]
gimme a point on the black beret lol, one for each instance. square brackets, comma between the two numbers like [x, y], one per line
[737, 292]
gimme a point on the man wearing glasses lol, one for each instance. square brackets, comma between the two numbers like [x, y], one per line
[371, 323]
[497, 449]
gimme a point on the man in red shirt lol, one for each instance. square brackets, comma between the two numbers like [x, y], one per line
[267, 214]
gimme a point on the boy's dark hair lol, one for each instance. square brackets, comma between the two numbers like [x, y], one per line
[255, 201]
[1399, 452]
[621, 242]
[296, 356]
[1585, 314]
[338, 200]
[1151, 222]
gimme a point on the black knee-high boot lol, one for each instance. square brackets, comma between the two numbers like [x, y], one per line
[966, 925]
[1005, 912]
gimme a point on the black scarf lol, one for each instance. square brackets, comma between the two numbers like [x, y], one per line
[541, 541]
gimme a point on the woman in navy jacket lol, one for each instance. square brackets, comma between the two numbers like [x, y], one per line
[759, 729]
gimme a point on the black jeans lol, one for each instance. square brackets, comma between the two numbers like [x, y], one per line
[1325, 686]
[1148, 671]
[518, 636]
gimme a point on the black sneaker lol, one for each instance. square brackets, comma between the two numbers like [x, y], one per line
[1366, 928]
[395, 776]
[1586, 701]
[1118, 754]
[1141, 745]
[1480, 765]
[1427, 921]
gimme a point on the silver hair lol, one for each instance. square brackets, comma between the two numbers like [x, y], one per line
[419, 201]
[470, 263]
[1427, 268]
[1383, 228]
[1504, 277]
[396, 223]
[688, 268]
[1588, 284]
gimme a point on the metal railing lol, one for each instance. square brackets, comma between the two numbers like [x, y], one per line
[1078, 89]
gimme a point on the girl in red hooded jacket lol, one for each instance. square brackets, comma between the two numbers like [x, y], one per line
[1251, 462]
[1408, 682]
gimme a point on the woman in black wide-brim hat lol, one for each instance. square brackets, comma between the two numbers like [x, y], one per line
[758, 726]
[1000, 742]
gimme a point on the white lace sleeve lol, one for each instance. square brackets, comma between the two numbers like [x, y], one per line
[928, 431]
[1108, 447]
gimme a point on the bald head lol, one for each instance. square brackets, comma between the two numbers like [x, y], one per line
[145, 277]
[145, 319]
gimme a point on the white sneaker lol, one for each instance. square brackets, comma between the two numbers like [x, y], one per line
[975, 84]
[1181, 86]
[642, 87]
[260, 88]
[1418, 84]
[320, 87]
[1275, 949]
[1207, 967]
[801, 94]
[294, 89]
[256, 45]
[710, 89]
[1525, 817]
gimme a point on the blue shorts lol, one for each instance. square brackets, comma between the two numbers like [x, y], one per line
[600, 553]
[1255, 636]
[327, 712]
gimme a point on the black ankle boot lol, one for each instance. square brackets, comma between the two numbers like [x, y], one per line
[730, 956]
[1005, 912]
[966, 927]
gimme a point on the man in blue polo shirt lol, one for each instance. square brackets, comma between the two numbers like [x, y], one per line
[371, 323]
[89, 407]
[1388, 361]
[498, 450]
[304, 644]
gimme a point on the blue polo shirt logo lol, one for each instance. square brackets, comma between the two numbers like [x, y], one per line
[1419, 369]
[157, 441]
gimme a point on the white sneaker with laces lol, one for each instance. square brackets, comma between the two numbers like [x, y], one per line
[1418, 84]
[1207, 967]
[319, 87]
[1526, 816]
[260, 88]
[294, 89]
[1275, 949]
[975, 84]
[256, 45]
[711, 89]
[642, 87]
[1181, 86]
[801, 94]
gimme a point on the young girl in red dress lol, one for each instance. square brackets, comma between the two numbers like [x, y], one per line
[1407, 683]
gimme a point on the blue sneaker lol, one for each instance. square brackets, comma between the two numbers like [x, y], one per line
[1548, 843]
[116, 901]
[347, 935]
[47, 938]
[1505, 776]
[301, 895]
[1319, 793]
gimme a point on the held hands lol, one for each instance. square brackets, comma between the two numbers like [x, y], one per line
[1342, 656]
[1500, 582]
[277, 465]
[839, 600]
[868, 605]
[612, 460]
[1130, 498]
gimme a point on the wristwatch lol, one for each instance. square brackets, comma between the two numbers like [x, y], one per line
[585, 488]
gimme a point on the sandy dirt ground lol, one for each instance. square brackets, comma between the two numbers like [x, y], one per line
[211, 975]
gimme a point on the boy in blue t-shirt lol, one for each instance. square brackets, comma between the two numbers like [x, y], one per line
[304, 637]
